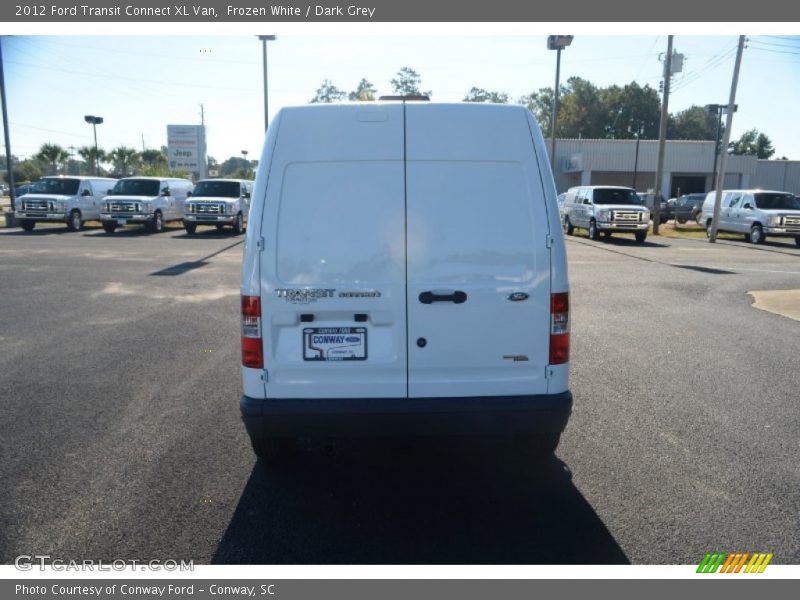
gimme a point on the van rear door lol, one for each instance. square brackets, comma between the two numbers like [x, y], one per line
[333, 297]
[478, 262]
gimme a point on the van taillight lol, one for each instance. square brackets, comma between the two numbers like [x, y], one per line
[252, 352]
[559, 328]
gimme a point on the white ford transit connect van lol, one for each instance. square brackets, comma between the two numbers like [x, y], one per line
[404, 272]
[70, 200]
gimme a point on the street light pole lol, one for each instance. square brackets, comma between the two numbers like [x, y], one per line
[264, 39]
[9, 161]
[557, 43]
[639, 132]
[719, 109]
[95, 121]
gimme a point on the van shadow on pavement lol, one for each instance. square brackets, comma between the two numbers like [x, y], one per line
[415, 502]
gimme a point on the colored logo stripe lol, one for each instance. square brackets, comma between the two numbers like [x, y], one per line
[734, 562]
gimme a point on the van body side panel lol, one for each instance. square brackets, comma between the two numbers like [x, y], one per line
[334, 255]
[477, 224]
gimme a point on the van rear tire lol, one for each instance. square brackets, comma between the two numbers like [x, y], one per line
[594, 234]
[275, 451]
[568, 226]
[74, 222]
[238, 225]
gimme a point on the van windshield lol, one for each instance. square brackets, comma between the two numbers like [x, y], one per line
[218, 189]
[135, 187]
[777, 202]
[616, 196]
[56, 185]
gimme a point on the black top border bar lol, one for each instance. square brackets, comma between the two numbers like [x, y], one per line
[458, 11]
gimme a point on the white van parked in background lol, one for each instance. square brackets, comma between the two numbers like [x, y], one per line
[70, 200]
[219, 202]
[606, 209]
[755, 214]
[150, 201]
[404, 272]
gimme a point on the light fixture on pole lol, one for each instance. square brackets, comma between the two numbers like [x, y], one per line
[247, 165]
[557, 43]
[638, 132]
[264, 39]
[95, 121]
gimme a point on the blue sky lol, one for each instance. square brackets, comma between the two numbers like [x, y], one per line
[141, 84]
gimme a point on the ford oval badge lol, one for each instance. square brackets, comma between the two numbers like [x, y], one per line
[518, 297]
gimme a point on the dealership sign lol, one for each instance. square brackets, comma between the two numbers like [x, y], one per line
[186, 147]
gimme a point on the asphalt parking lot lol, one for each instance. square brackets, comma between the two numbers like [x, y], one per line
[121, 436]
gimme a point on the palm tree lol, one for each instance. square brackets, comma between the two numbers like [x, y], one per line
[88, 154]
[52, 154]
[124, 160]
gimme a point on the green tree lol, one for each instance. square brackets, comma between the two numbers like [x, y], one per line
[89, 156]
[235, 166]
[693, 123]
[24, 171]
[476, 94]
[541, 106]
[753, 143]
[407, 83]
[327, 93]
[53, 156]
[364, 92]
[124, 160]
[153, 158]
[628, 110]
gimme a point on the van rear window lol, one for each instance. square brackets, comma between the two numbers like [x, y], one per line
[341, 223]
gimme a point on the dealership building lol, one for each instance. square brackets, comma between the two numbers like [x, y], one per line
[688, 167]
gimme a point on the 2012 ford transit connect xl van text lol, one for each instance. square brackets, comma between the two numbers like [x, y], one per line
[404, 272]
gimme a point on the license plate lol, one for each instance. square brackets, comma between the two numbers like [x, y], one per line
[335, 343]
[122, 221]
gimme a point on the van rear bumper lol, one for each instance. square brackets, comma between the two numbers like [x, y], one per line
[354, 417]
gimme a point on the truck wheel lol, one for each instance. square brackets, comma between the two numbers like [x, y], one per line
[190, 228]
[797, 241]
[682, 220]
[593, 233]
[698, 218]
[641, 236]
[238, 226]
[74, 221]
[275, 451]
[568, 228]
[708, 229]
[756, 234]
[109, 226]
[220, 227]
[27, 225]
[157, 226]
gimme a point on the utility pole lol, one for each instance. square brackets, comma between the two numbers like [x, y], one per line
[662, 137]
[142, 142]
[9, 163]
[204, 161]
[712, 235]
